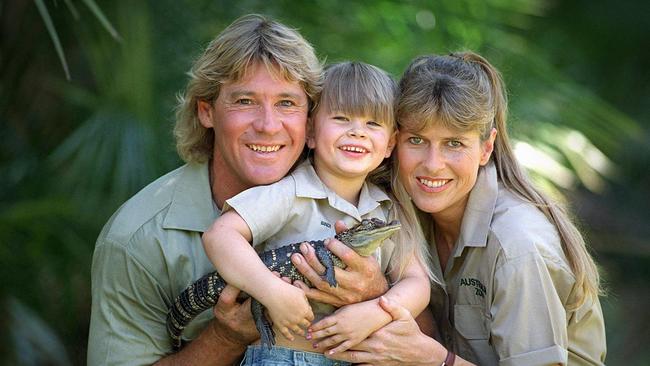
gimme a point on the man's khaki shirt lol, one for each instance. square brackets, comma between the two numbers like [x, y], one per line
[148, 252]
[506, 286]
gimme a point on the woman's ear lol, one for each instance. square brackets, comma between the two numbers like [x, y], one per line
[487, 147]
[204, 113]
[311, 140]
[391, 144]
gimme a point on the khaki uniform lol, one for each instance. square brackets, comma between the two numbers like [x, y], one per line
[300, 207]
[506, 286]
[148, 252]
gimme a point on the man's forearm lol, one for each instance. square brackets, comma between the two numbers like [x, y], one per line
[209, 348]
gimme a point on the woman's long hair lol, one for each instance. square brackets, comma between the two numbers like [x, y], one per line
[463, 91]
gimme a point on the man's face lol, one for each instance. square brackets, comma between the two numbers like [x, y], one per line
[259, 124]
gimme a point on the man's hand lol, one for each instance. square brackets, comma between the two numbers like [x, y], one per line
[361, 280]
[234, 322]
[224, 340]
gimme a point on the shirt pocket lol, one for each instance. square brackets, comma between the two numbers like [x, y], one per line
[474, 343]
[470, 322]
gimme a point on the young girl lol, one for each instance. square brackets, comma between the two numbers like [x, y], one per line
[351, 134]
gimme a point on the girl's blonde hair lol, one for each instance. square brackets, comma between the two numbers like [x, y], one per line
[463, 91]
[249, 40]
[360, 89]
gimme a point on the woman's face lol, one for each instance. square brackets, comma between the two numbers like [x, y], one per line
[439, 166]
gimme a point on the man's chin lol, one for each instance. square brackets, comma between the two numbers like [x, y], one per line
[267, 176]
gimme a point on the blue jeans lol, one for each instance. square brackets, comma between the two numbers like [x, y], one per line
[280, 356]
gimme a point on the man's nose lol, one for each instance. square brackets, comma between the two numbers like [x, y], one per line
[267, 121]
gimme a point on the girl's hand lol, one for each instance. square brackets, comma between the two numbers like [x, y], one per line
[348, 326]
[398, 343]
[288, 309]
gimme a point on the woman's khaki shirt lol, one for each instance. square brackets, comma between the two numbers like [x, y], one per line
[504, 293]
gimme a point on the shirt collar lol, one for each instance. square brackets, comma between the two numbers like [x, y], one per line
[475, 226]
[191, 206]
[309, 185]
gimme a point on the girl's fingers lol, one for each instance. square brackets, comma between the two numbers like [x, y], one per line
[305, 323]
[341, 347]
[324, 323]
[286, 333]
[322, 333]
[329, 341]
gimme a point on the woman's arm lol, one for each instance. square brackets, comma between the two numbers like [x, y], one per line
[399, 343]
[353, 323]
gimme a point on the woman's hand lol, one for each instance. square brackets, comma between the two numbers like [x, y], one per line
[398, 343]
[361, 280]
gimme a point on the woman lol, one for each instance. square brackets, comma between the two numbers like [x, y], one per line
[517, 283]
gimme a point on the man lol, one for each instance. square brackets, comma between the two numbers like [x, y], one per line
[241, 123]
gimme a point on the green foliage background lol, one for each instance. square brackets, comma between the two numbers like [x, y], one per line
[74, 150]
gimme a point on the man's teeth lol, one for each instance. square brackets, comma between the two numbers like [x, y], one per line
[433, 183]
[264, 148]
[353, 149]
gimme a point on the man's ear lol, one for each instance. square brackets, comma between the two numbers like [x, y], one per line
[311, 140]
[487, 147]
[391, 144]
[205, 113]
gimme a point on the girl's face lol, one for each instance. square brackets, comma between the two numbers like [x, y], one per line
[348, 147]
[438, 168]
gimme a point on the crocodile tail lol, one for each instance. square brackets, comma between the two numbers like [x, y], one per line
[195, 299]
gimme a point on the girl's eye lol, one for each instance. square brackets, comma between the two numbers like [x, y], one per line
[374, 123]
[415, 140]
[341, 118]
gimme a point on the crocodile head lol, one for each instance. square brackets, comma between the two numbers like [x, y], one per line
[368, 235]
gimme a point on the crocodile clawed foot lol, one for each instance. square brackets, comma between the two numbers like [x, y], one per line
[264, 327]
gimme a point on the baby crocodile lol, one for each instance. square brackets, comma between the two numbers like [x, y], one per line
[203, 294]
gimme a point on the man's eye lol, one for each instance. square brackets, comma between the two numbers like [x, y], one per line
[454, 143]
[415, 140]
[244, 101]
[286, 103]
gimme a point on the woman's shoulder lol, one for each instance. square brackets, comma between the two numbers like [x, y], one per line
[521, 229]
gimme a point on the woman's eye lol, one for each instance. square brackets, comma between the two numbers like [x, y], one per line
[415, 140]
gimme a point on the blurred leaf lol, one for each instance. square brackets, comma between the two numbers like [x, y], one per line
[35, 343]
[99, 14]
[45, 14]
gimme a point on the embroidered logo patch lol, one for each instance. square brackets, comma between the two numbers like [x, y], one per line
[475, 283]
[326, 224]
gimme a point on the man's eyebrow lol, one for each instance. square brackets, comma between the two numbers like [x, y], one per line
[241, 93]
[250, 93]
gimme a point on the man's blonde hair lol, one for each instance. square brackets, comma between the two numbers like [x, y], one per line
[249, 40]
